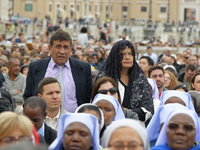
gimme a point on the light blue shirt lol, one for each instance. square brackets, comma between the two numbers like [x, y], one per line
[41, 130]
[70, 101]
[153, 56]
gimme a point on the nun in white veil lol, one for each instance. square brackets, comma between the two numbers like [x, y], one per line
[131, 124]
[90, 121]
[188, 140]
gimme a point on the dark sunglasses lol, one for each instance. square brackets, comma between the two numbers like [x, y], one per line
[186, 57]
[186, 127]
[112, 91]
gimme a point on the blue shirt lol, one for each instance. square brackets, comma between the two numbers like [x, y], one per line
[41, 130]
[153, 56]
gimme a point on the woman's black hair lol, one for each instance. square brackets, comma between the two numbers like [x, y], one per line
[138, 92]
[83, 30]
[180, 87]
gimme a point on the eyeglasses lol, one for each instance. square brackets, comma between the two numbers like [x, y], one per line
[120, 146]
[186, 127]
[186, 57]
[112, 91]
[78, 47]
[11, 139]
[190, 74]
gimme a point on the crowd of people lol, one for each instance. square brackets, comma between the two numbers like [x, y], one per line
[62, 94]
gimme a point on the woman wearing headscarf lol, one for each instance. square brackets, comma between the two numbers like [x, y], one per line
[132, 82]
[124, 131]
[180, 131]
[158, 119]
[174, 96]
[110, 107]
[69, 128]
[170, 100]
[92, 109]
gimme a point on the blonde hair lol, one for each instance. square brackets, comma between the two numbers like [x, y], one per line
[10, 121]
[174, 81]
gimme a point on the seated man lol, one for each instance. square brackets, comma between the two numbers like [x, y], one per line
[49, 89]
[16, 81]
[187, 75]
[35, 110]
[157, 74]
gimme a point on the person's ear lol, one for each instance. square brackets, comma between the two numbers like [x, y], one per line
[49, 46]
[192, 85]
[39, 95]
[45, 114]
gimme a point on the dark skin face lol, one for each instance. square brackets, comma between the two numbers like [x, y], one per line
[77, 136]
[175, 100]
[108, 111]
[14, 68]
[181, 139]
[35, 115]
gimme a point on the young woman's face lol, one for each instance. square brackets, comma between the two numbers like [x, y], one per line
[196, 84]
[167, 80]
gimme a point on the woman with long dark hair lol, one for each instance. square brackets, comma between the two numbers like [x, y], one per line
[132, 82]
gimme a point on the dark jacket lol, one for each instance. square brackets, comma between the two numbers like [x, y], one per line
[81, 72]
[49, 134]
[181, 76]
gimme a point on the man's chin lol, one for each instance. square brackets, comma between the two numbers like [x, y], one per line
[159, 87]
